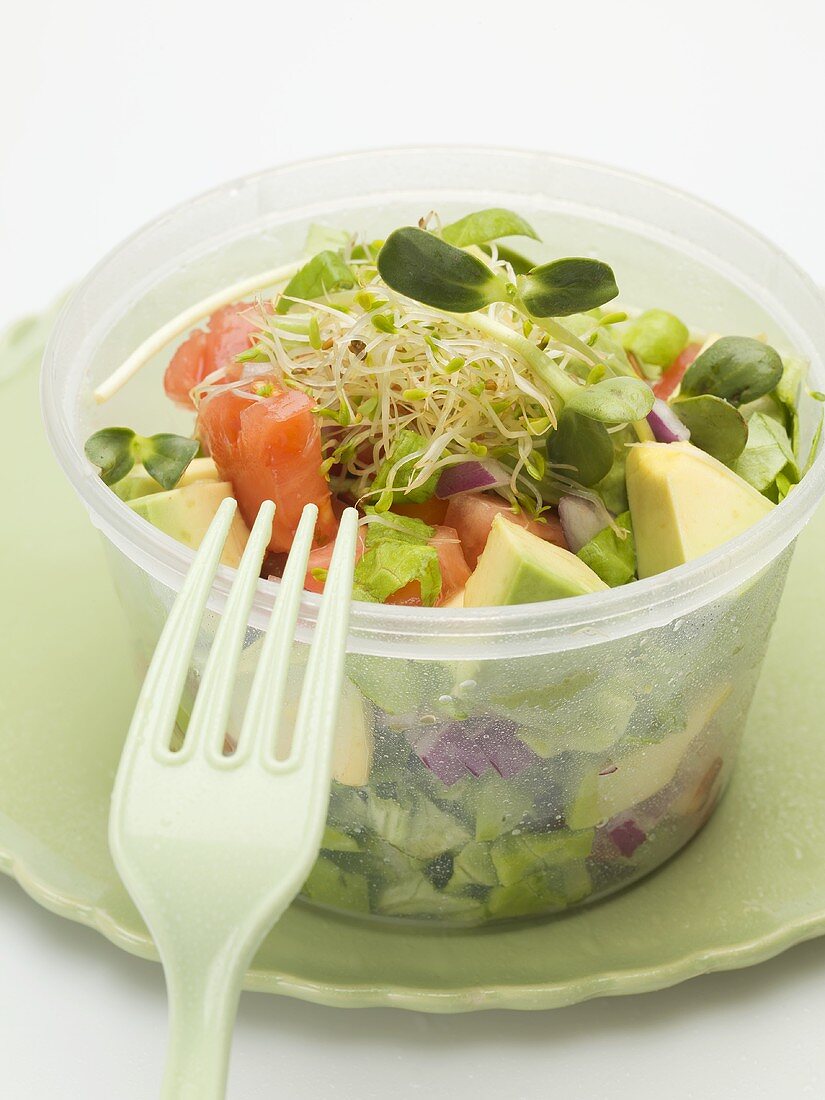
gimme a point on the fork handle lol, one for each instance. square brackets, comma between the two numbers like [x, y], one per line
[203, 995]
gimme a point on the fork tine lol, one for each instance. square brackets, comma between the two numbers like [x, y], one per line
[159, 697]
[207, 724]
[321, 692]
[265, 703]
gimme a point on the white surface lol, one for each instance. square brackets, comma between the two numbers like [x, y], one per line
[111, 112]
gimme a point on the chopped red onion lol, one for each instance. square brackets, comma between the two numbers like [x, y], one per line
[468, 750]
[626, 835]
[665, 424]
[469, 477]
[508, 755]
[474, 746]
[581, 520]
[436, 753]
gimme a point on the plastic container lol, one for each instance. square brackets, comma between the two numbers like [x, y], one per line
[604, 728]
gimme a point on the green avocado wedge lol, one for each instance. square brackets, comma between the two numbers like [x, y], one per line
[186, 513]
[685, 503]
[517, 566]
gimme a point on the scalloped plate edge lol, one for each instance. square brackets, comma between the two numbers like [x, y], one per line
[519, 997]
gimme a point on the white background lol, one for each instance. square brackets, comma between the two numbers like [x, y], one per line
[111, 112]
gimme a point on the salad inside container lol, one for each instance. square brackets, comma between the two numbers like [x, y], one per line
[512, 432]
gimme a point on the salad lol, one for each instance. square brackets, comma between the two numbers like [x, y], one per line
[490, 418]
[509, 435]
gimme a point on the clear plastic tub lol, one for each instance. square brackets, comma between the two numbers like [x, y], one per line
[620, 712]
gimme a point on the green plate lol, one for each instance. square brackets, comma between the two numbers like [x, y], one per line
[749, 886]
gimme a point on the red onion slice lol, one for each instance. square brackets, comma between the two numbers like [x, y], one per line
[470, 477]
[665, 424]
[581, 520]
[474, 747]
[626, 835]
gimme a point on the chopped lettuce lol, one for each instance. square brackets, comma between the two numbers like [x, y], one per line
[519, 855]
[325, 272]
[415, 896]
[541, 892]
[335, 840]
[420, 830]
[487, 225]
[396, 554]
[329, 884]
[392, 564]
[398, 686]
[472, 867]
[815, 442]
[324, 237]
[612, 488]
[787, 393]
[407, 446]
[389, 527]
[499, 805]
[610, 556]
[768, 455]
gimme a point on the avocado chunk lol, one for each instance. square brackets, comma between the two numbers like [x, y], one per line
[643, 772]
[139, 484]
[685, 503]
[185, 514]
[517, 566]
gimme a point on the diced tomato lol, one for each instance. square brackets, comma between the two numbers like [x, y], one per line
[321, 557]
[270, 449]
[431, 512]
[454, 569]
[472, 515]
[227, 334]
[672, 378]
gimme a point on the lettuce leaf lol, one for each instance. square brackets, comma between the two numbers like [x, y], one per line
[611, 557]
[407, 445]
[324, 273]
[768, 462]
[390, 563]
[387, 526]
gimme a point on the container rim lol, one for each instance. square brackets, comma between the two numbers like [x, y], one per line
[440, 633]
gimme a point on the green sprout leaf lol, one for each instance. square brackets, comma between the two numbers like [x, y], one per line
[736, 368]
[582, 443]
[613, 401]
[567, 286]
[429, 270]
[656, 337]
[114, 451]
[321, 275]
[164, 456]
[487, 225]
[715, 426]
[767, 455]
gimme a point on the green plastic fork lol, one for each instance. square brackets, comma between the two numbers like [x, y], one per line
[214, 847]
